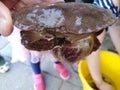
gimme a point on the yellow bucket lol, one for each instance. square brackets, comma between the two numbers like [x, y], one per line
[110, 69]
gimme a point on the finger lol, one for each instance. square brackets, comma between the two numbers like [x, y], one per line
[6, 26]
[20, 4]
[10, 3]
[52, 1]
[23, 3]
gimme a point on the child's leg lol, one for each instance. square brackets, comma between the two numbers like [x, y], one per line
[64, 73]
[19, 52]
[37, 75]
[94, 67]
[115, 35]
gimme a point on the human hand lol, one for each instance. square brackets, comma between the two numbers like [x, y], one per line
[52, 1]
[105, 86]
[6, 8]
[16, 4]
[6, 26]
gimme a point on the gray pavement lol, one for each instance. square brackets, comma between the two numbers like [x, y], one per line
[19, 77]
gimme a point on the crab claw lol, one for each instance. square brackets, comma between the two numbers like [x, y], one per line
[74, 52]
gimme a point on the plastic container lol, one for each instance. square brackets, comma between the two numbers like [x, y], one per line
[110, 69]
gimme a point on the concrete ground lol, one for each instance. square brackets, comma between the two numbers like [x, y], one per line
[19, 77]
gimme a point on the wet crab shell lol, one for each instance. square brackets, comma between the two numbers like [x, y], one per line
[69, 30]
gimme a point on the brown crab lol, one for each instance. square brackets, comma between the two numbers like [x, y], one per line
[69, 30]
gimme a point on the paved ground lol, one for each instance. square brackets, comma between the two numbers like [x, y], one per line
[19, 77]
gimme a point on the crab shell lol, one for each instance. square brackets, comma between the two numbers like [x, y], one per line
[69, 30]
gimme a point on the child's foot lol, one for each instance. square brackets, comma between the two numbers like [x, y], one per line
[64, 73]
[105, 86]
[4, 66]
[38, 82]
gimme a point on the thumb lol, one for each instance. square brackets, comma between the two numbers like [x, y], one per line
[6, 25]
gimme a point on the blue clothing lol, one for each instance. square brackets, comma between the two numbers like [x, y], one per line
[107, 4]
[36, 67]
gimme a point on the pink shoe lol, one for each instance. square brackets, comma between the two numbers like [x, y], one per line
[38, 82]
[64, 73]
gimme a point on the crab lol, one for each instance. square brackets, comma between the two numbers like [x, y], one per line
[68, 30]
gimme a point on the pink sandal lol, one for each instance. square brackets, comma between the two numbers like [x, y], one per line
[38, 82]
[64, 73]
